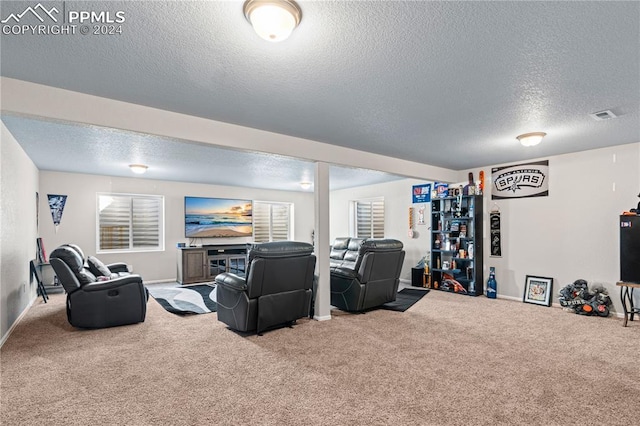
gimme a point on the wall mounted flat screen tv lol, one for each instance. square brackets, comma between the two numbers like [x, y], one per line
[217, 217]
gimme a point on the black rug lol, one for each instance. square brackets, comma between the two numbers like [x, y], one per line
[195, 299]
[405, 299]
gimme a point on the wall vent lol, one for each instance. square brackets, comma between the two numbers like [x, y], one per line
[603, 115]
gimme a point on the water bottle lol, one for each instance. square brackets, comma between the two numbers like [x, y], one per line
[492, 284]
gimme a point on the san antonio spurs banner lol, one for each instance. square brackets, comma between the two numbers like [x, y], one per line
[520, 181]
[496, 238]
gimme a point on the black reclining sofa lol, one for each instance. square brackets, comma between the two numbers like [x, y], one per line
[365, 273]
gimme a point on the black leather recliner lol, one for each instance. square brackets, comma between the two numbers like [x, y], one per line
[98, 268]
[277, 289]
[365, 273]
[92, 303]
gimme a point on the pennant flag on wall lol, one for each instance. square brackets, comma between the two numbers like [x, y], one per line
[56, 205]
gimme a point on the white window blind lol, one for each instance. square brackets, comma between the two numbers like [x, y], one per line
[369, 218]
[129, 222]
[271, 221]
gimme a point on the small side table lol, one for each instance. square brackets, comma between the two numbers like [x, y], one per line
[626, 296]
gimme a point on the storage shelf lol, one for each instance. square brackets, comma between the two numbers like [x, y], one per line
[453, 197]
[451, 216]
[443, 215]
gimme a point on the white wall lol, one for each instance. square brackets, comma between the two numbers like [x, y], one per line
[573, 233]
[78, 224]
[19, 184]
[397, 200]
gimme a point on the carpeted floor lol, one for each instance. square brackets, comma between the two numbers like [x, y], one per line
[448, 360]
[184, 300]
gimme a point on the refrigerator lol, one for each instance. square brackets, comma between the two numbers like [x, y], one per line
[630, 249]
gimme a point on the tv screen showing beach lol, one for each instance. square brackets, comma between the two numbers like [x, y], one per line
[217, 217]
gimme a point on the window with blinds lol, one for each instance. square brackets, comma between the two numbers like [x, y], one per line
[369, 218]
[271, 221]
[128, 222]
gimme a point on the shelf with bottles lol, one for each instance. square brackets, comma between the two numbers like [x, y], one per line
[456, 244]
[455, 282]
[452, 216]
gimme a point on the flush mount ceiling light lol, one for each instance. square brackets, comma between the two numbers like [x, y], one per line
[305, 185]
[273, 20]
[138, 168]
[531, 139]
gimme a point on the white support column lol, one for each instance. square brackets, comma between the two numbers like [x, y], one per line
[322, 243]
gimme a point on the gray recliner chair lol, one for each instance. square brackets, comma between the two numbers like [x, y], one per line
[98, 303]
[365, 273]
[277, 289]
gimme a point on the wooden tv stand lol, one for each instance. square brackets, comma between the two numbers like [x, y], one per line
[202, 264]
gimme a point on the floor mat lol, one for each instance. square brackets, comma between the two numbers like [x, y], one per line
[195, 299]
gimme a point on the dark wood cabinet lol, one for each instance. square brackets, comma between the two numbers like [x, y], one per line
[202, 264]
[194, 266]
[456, 244]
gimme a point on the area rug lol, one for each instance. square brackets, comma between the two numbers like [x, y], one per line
[195, 299]
[405, 299]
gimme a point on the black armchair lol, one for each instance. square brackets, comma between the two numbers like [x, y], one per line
[365, 273]
[277, 289]
[98, 268]
[94, 303]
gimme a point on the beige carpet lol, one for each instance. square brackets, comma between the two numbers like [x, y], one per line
[450, 359]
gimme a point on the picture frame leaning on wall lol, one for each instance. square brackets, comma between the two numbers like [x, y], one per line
[538, 290]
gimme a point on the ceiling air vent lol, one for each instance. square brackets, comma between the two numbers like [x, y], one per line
[603, 115]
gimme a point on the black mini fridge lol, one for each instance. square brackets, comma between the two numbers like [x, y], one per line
[630, 249]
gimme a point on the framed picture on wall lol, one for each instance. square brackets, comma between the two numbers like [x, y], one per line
[537, 290]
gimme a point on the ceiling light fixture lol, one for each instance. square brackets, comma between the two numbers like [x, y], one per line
[138, 168]
[273, 20]
[305, 185]
[531, 139]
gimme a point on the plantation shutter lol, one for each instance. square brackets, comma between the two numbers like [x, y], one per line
[271, 221]
[280, 222]
[261, 212]
[370, 219]
[127, 222]
[115, 227]
[146, 221]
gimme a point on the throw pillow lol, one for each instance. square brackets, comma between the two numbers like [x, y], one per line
[97, 267]
[85, 277]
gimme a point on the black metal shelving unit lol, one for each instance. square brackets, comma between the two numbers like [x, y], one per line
[456, 224]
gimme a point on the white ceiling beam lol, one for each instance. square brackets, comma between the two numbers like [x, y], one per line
[21, 97]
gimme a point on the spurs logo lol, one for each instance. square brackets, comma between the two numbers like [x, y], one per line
[513, 180]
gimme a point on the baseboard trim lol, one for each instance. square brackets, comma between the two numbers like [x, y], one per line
[170, 280]
[15, 323]
[516, 299]
[322, 317]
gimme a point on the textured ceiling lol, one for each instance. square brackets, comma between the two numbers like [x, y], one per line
[443, 83]
[67, 147]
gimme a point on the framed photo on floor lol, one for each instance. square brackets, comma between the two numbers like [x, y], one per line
[538, 290]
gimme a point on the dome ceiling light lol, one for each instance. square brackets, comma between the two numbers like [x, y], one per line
[273, 20]
[138, 168]
[531, 139]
